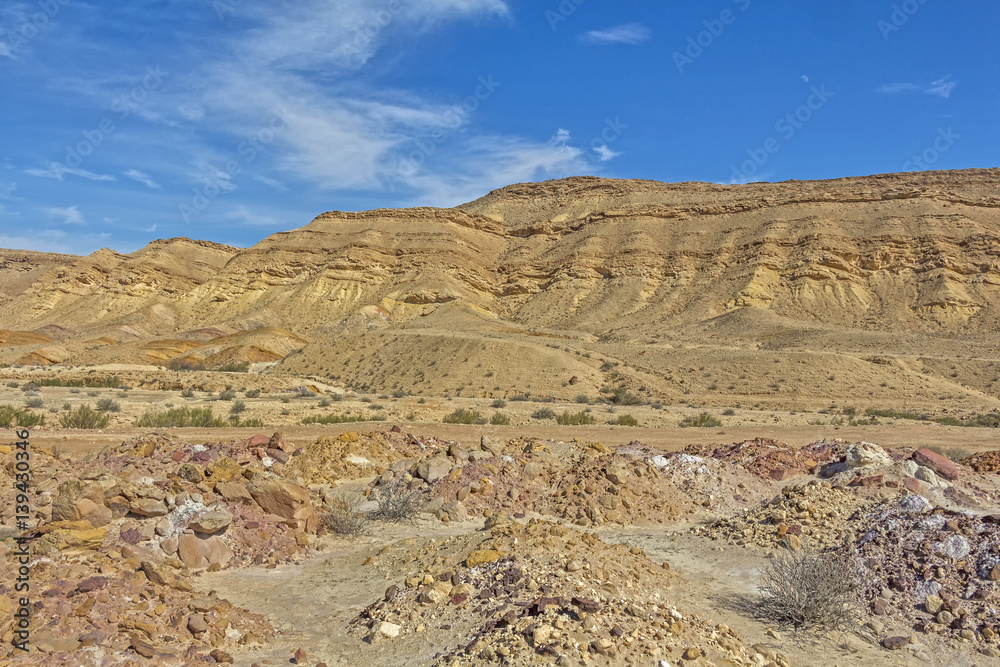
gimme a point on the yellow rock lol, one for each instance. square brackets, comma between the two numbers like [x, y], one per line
[6, 449]
[224, 469]
[350, 436]
[482, 556]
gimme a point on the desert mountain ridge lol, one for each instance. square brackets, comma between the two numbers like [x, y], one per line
[880, 289]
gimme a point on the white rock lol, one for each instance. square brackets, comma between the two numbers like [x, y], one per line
[926, 475]
[388, 630]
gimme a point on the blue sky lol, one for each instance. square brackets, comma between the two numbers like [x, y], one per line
[229, 120]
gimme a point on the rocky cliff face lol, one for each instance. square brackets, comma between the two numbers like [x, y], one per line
[867, 259]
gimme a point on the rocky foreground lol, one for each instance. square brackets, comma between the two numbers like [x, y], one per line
[120, 541]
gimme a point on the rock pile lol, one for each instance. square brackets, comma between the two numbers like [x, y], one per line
[932, 568]
[524, 593]
[813, 514]
[134, 525]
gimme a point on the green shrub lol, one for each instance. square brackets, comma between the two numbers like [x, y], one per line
[227, 395]
[11, 417]
[461, 416]
[981, 421]
[500, 419]
[336, 419]
[399, 393]
[187, 393]
[893, 414]
[575, 419]
[108, 405]
[181, 418]
[84, 417]
[626, 420]
[704, 420]
[499, 404]
[583, 399]
[250, 423]
[252, 393]
[544, 413]
[34, 403]
[237, 407]
[729, 412]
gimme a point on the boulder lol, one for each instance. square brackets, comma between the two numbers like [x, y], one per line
[191, 472]
[942, 465]
[234, 492]
[211, 522]
[285, 499]
[224, 469]
[199, 552]
[97, 515]
[864, 454]
[148, 507]
[431, 470]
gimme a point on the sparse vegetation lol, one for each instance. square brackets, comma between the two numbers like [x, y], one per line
[980, 421]
[893, 414]
[227, 395]
[396, 503]
[337, 419]
[34, 403]
[728, 412]
[462, 416]
[626, 420]
[181, 418]
[583, 399]
[345, 516]
[704, 420]
[108, 405]
[811, 589]
[11, 417]
[237, 407]
[498, 404]
[84, 417]
[575, 419]
[187, 393]
[544, 413]
[499, 419]
[252, 393]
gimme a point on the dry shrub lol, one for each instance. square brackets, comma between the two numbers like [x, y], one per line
[397, 504]
[345, 516]
[811, 588]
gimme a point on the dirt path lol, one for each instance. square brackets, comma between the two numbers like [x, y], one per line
[79, 443]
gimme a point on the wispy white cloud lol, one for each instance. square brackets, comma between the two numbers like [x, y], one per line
[629, 34]
[939, 88]
[59, 171]
[491, 162]
[244, 216]
[7, 214]
[67, 216]
[605, 154]
[144, 178]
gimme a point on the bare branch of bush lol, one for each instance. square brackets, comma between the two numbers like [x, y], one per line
[397, 504]
[811, 589]
[345, 516]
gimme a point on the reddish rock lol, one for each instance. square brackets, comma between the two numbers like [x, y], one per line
[258, 441]
[278, 442]
[300, 656]
[942, 465]
[874, 480]
[197, 552]
[178, 456]
[781, 474]
[912, 484]
[278, 455]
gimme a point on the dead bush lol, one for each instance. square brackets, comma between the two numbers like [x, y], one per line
[345, 516]
[397, 504]
[811, 588]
